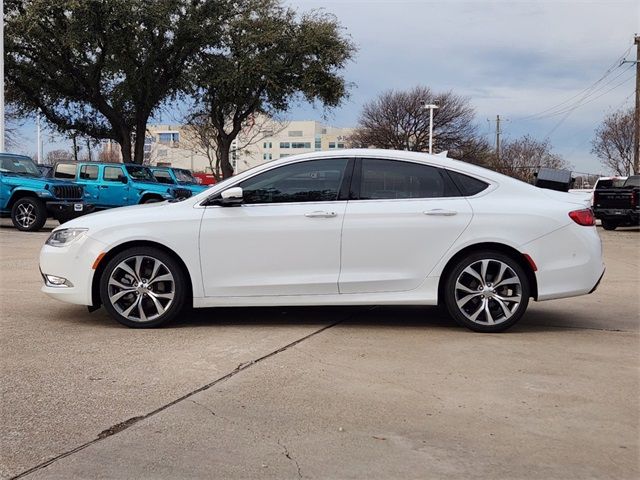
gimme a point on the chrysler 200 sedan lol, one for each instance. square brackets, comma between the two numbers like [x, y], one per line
[351, 227]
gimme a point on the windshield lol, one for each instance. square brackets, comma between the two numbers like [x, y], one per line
[19, 165]
[184, 176]
[140, 173]
[610, 183]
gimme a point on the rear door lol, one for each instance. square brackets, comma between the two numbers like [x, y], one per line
[403, 218]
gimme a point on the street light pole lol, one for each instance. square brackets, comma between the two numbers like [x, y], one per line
[431, 108]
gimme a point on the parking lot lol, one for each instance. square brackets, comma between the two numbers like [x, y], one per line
[320, 392]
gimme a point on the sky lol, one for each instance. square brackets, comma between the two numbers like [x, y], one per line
[531, 62]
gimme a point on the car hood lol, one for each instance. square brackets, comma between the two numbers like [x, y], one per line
[32, 182]
[116, 216]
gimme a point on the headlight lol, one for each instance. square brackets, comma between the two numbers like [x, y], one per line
[44, 193]
[64, 236]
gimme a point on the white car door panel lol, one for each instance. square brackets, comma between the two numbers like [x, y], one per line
[271, 246]
[391, 244]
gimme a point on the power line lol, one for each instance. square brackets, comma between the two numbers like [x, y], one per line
[616, 64]
[571, 110]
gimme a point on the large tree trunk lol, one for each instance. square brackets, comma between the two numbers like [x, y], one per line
[141, 130]
[225, 163]
[125, 146]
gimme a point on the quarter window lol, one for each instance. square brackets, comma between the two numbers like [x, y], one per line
[89, 172]
[65, 170]
[391, 179]
[113, 174]
[310, 181]
[469, 185]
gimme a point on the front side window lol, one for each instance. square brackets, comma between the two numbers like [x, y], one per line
[391, 179]
[113, 174]
[65, 170]
[310, 181]
[89, 172]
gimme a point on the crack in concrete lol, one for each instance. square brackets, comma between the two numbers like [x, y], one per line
[119, 427]
[288, 455]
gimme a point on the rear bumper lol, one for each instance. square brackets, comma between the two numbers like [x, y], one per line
[621, 214]
[569, 262]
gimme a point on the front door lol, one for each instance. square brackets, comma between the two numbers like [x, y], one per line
[400, 224]
[285, 237]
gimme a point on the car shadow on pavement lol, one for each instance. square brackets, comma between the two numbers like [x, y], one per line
[370, 317]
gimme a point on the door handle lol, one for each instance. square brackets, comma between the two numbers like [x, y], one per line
[103, 186]
[320, 214]
[439, 212]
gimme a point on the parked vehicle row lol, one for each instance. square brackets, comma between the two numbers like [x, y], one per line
[354, 227]
[29, 199]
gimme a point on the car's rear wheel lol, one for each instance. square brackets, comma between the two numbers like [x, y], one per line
[609, 224]
[143, 287]
[29, 214]
[487, 291]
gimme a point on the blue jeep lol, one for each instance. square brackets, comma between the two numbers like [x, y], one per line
[29, 198]
[178, 176]
[116, 184]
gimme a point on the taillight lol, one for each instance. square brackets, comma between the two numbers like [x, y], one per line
[583, 217]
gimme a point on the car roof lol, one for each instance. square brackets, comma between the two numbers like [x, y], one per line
[441, 161]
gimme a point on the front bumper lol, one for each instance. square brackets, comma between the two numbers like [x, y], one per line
[73, 263]
[66, 210]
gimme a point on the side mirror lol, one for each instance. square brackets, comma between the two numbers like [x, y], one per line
[231, 196]
[124, 179]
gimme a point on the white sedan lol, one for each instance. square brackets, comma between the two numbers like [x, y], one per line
[350, 227]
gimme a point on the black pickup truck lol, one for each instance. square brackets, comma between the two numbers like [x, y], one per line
[619, 206]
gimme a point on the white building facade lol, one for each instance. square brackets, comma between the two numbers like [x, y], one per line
[179, 145]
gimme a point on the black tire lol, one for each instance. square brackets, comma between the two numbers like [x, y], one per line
[152, 200]
[136, 318]
[29, 214]
[609, 224]
[476, 301]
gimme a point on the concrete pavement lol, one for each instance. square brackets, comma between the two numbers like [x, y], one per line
[320, 393]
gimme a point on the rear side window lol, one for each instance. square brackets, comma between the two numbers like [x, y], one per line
[392, 179]
[113, 174]
[65, 170]
[469, 185]
[89, 172]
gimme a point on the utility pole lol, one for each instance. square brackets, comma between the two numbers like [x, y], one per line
[39, 138]
[2, 128]
[498, 132]
[636, 136]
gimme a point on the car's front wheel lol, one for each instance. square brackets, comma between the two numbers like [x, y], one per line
[487, 291]
[143, 287]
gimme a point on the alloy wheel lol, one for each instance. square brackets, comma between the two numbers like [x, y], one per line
[141, 288]
[26, 215]
[488, 292]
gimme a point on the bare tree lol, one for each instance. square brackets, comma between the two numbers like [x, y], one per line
[613, 143]
[204, 136]
[398, 120]
[522, 157]
[57, 156]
